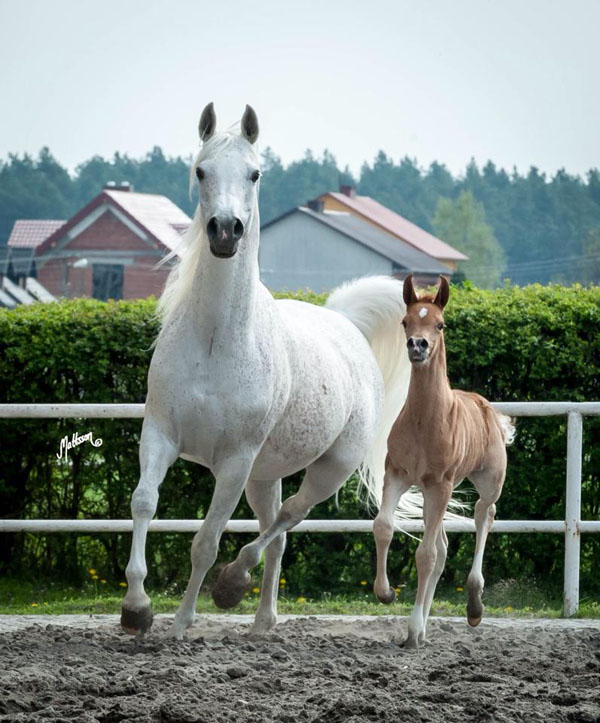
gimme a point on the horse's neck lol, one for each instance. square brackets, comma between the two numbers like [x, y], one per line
[225, 293]
[429, 393]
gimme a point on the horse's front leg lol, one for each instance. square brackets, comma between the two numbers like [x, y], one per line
[323, 478]
[157, 454]
[383, 530]
[231, 478]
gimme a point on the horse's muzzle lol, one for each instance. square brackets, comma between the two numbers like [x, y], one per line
[224, 234]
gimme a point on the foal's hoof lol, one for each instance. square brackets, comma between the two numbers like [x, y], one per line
[387, 599]
[231, 586]
[134, 622]
[474, 612]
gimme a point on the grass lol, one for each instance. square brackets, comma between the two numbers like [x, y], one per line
[506, 599]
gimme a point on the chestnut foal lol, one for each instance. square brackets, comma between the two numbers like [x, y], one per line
[441, 436]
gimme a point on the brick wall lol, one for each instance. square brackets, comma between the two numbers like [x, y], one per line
[105, 235]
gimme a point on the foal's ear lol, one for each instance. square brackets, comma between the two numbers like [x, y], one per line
[443, 293]
[408, 291]
[208, 122]
[250, 124]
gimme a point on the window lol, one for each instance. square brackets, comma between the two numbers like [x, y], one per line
[107, 281]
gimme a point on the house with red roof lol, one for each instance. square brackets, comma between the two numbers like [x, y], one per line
[108, 250]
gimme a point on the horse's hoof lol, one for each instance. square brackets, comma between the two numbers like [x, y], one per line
[474, 612]
[134, 622]
[230, 587]
[387, 599]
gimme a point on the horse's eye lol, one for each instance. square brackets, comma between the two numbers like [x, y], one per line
[440, 326]
[255, 176]
[199, 174]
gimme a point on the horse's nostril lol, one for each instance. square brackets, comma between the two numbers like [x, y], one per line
[212, 227]
[423, 343]
[238, 229]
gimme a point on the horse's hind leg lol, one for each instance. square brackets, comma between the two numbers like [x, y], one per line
[323, 478]
[489, 486]
[383, 531]
[265, 500]
[231, 477]
[157, 454]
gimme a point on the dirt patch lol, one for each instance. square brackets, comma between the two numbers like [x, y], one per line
[314, 670]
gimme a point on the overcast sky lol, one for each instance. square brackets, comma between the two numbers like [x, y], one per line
[515, 81]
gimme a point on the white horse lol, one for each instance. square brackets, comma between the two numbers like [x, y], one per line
[257, 389]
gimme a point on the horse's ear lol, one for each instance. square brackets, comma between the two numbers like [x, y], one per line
[250, 124]
[208, 122]
[408, 291]
[443, 293]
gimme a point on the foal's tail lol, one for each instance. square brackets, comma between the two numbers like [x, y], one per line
[375, 305]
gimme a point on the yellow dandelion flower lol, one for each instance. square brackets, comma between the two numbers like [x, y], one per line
[508, 609]
[103, 582]
[282, 581]
[255, 589]
[459, 589]
[363, 582]
[34, 605]
[95, 577]
[301, 600]
[123, 584]
[92, 571]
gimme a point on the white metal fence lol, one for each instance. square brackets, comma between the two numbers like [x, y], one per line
[572, 526]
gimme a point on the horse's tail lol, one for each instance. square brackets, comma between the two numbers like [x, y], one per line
[375, 305]
[507, 425]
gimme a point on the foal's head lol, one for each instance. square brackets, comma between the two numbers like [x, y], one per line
[424, 320]
[227, 172]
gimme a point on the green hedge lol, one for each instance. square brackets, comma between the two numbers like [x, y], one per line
[535, 343]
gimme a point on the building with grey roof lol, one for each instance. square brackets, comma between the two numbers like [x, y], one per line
[317, 249]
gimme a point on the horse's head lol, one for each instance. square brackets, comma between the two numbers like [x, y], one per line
[227, 172]
[424, 320]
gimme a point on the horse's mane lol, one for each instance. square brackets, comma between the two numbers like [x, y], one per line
[188, 249]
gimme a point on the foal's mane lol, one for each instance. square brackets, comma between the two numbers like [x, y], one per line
[425, 299]
[188, 250]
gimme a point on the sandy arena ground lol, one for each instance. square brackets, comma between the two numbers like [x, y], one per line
[324, 669]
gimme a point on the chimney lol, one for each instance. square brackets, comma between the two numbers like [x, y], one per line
[121, 186]
[316, 205]
[348, 190]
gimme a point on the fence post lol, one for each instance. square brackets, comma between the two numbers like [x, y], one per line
[573, 514]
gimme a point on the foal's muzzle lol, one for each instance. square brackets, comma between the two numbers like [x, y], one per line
[224, 234]
[418, 349]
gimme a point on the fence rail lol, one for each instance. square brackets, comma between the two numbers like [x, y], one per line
[572, 526]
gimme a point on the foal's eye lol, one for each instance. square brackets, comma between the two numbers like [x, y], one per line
[255, 176]
[440, 326]
[199, 174]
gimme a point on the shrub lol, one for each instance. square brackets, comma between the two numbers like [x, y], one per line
[533, 343]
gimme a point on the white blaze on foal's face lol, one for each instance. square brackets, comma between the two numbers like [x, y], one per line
[423, 312]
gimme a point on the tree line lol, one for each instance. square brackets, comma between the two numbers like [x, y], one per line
[527, 227]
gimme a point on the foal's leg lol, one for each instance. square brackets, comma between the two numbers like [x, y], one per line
[231, 477]
[383, 530]
[489, 485]
[436, 497]
[322, 479]
[265, 500]
[157, 454]
[442, 550]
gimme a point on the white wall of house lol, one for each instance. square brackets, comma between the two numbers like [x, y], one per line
[299, 252]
